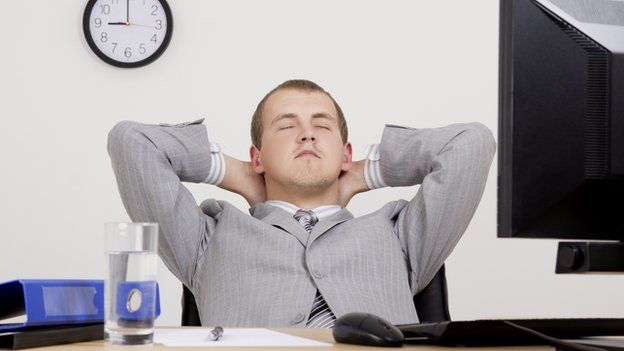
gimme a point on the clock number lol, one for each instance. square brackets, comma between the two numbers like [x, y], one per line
[114, 47]
[154, 8]
[104, 37]
[128, 52]
[105, 9]
[158, 24]
[98, 22]
[142, 49]
[153, 38]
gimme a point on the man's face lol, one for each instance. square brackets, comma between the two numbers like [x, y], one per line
[301, 141]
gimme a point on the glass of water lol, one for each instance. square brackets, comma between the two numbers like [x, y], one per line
[130, 284]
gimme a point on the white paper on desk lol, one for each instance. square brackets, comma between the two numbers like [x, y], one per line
[231, 337]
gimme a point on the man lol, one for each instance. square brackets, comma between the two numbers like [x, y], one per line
[285, 266]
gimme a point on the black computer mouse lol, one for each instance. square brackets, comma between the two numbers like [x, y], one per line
[366, 329]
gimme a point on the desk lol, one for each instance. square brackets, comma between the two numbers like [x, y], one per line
[316, 334]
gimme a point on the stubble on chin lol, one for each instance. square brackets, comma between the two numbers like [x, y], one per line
[309, 177]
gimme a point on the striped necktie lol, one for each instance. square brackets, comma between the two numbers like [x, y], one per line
[320, 316]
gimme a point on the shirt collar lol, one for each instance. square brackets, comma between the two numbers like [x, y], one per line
[321, 211]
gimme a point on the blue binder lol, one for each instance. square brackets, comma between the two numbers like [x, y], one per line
[53, 302]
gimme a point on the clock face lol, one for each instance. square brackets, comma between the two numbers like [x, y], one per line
[128, 33]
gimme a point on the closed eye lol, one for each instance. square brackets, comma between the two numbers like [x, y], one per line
[287, 127]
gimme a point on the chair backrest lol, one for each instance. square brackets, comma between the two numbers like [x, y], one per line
[190, 314]
[431, 303]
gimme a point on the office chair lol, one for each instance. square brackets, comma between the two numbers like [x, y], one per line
[431, 303]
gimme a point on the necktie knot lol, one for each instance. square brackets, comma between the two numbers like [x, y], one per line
[306, 218]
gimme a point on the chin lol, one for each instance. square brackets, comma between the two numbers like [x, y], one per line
[311, 181]
[310, 176]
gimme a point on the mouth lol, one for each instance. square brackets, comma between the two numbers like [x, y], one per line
[307, 153]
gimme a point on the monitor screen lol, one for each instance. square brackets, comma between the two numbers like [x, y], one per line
[561, 119]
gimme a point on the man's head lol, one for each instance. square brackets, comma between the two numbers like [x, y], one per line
[299, 116]
[295, 84]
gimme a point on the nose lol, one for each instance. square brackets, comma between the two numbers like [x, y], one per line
[305, 138]
[307, 134]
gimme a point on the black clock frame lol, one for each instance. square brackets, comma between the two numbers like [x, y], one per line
[165, 43]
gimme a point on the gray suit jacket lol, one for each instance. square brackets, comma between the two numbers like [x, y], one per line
[264, 269]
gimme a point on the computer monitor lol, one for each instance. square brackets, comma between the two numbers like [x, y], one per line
[561, 127]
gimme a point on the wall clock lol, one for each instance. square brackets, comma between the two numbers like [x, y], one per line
[128, 33]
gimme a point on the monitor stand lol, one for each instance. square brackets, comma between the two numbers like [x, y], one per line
[590, 257]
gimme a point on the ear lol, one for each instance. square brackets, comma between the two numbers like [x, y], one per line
[347, 156]
[254, 156]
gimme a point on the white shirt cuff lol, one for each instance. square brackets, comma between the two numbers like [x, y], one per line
[372, 167]
[217, 165]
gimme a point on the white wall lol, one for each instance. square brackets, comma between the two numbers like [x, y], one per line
[416, 63]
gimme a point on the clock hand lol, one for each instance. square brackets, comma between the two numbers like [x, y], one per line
[118, 23]
[141, 25]
[128, 11]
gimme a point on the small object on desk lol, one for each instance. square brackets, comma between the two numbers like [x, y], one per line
[366, 329]
[236, 337]
[216, 333]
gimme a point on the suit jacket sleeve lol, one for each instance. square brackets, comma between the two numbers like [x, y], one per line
[150, 162]
[451, 164]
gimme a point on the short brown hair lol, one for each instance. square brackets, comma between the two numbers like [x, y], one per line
[296, 84]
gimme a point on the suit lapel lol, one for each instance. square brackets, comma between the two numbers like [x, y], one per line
[326, 224]
[284, 220]
[278, 217]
